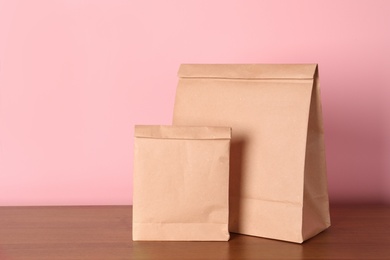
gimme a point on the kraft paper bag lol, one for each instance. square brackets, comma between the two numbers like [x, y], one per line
[181, 183]
[278, 183]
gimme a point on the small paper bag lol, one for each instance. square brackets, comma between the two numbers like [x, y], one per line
[181, 183]
[278, 183]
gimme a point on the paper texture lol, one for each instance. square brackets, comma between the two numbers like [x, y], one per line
[278, 183]
[181, 183]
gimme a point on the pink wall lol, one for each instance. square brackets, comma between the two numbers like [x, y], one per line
[75, 76]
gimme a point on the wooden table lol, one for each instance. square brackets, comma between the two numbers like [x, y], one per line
[104, 232]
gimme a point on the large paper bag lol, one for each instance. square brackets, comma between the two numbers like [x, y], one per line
[181, 183]
[278, 183]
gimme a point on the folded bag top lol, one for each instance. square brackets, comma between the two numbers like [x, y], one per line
[278, 183]
[183, 132]
[248, 71]
[181, 182]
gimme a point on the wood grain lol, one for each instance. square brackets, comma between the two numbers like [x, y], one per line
[104, 232]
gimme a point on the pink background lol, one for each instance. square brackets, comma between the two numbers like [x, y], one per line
[75, 76]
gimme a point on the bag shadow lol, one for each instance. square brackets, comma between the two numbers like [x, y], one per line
[237, 152]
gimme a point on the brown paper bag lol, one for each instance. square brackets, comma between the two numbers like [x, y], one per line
[278, 183]
[181, 183]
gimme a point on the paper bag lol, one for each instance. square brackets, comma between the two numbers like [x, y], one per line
[278, 183]
[181, 183]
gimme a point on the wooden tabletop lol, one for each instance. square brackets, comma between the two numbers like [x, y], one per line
[104, 232]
